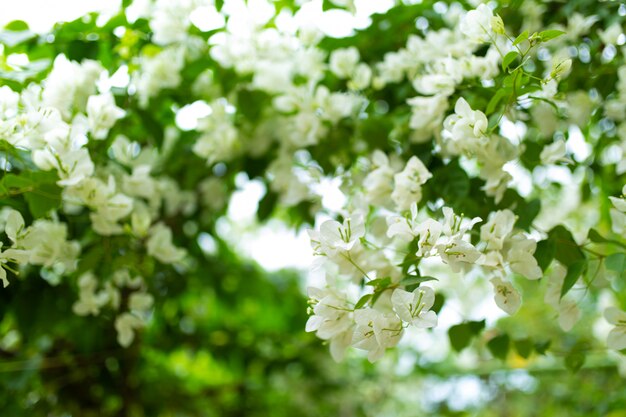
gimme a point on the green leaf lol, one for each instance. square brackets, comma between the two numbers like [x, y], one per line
[362, 301]
[16, 184]
[413, 279]
[616, 262]
[379, 282]
[508, 59]
[460, 335]
[521, 38]
[528, 214]
[17, 25]
[499, 346]
[495, 100]
[567, 250]
[575, 360]
[45, 198]
[545, 253]
[440, 299]
[595, 237]
[524, 347]
[546, 35]
[573, 273]
[542, 347]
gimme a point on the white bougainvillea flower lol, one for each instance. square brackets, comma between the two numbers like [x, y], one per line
[524, 263]
[335, 237]
[465, 130]
[617, 337]
[331, 320]
[125, 325]
[89, 301]
[414, 307]
[10, 255]
[376, 331]
[455, 226]
[458, 253]
[408, 183]
[429, 232]
[102, 113]
[343, 62]
[160, 245]
[553, 153]
[506, 296]
[477, 24]
[403, 226]
[569, 314]
[497, 228]
[14, 227]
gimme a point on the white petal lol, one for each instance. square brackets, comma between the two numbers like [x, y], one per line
[617, 338]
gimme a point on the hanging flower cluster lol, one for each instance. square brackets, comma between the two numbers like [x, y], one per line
[454, 145]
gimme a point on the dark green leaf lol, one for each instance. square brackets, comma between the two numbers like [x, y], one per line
[566, 249]
[440, 299]
[573, 273]
[542, 347]
[460, 335]
[45, 198]
[524, 347]
[575, 360]
[545, 253]
[499, 346]
[528, 214]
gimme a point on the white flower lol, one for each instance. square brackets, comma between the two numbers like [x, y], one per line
[617, 336]
[343, 62]
[456, 226]
[506, 296]
[427, 115]
[170, 21]
[89, 301]
[160, 245]
[10, 255]
[47, 245]
[429, 232]
[140, 302]
[477, 24]
[408, 183]
[553, 153]
[126, 324]
[361, 77]
[335, 237]
[378, 184]
[331, 320]
[14, 227]
[465, 128]
[375, 332]
[497, 228]
[102, 113]
[414, 307]
[569, 314]
[458, 253]
[405, 227]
